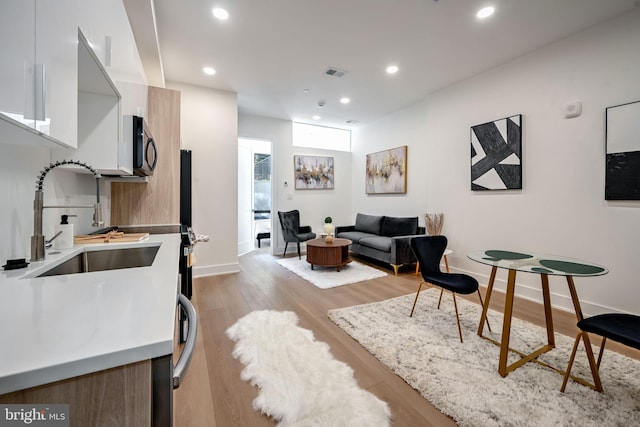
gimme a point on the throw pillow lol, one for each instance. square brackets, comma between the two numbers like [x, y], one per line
[368, 223]
[393, 226]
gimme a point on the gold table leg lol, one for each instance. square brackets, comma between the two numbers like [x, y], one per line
[506, 324]
[487, 300]
[548, 316]
[503, 367]
[585, 337]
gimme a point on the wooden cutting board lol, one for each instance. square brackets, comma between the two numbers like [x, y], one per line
[112, 236]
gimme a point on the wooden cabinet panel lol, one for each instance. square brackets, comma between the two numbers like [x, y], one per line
[118, 397]
[157, 201]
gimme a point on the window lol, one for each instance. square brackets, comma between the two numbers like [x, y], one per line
[313, 136]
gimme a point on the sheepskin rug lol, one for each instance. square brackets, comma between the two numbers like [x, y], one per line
[300, 382]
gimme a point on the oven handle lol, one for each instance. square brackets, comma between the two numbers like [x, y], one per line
[182, 366]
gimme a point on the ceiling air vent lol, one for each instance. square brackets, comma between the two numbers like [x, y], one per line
[335, 72]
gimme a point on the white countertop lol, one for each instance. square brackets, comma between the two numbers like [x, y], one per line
[58, 327]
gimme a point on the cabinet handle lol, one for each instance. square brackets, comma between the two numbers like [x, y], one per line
[40, 91]
[182, 366]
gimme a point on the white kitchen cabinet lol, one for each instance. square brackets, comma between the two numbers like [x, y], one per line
[100, 141]
[111, 84]
[107, 28]
[38, 72]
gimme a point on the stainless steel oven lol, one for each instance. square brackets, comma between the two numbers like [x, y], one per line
[166, 376]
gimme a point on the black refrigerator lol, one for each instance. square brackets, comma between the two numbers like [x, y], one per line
[188, 237]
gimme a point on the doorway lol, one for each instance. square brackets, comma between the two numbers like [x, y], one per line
[254, 195]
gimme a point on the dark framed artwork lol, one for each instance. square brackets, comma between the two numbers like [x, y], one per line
[622, 133]
[386, 171]
[496, 154]
[313, 172]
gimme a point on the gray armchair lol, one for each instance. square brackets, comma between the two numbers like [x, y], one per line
[292, 231]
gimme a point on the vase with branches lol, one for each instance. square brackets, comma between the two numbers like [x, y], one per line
[434, 223]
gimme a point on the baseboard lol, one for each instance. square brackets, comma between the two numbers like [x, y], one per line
[245, 247]
[214, 270]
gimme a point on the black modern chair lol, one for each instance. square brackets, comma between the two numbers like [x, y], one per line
[429, 250]
[619, 327]
[292, 231]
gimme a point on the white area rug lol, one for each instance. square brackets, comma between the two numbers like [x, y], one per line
[462, 380]
[326, 277]
[300, 382]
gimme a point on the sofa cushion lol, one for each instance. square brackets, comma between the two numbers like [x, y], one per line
[394, 226]
[368, 223]
[354, 236]
[380, 243]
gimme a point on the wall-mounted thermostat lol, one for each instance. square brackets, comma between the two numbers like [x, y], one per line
[572, 109]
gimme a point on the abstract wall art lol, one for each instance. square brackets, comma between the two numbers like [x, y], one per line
[386, 171]
[622, 177]
[313, 172]
[496, 154]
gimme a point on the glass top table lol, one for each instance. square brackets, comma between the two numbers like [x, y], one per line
[537, 263]
[545, 265]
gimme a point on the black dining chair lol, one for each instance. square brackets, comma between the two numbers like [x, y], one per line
[619, 327]
[292, 231]
[429, 250]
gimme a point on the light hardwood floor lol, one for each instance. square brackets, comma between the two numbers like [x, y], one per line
[213, 393]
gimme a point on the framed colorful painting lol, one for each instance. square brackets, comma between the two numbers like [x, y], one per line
[313, 172]
[387, 171]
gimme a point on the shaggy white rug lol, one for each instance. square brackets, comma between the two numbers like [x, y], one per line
[462, 380]
[326, 277]
[300, 382]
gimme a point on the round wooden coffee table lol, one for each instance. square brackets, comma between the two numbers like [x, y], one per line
[334, 254]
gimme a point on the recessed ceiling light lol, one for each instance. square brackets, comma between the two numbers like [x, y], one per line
[209, 71]
[485, 12]
[345, 100]
[316, 117]
[220, 13]
[307, 90]
[392, 69]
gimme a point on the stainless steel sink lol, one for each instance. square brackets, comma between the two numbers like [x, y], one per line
[107, 259]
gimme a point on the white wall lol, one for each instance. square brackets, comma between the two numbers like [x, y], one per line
[19, 168]
[208, 123]
[561, 208]
[314, 205]
[408, 127]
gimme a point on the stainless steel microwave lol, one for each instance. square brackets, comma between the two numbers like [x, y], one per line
[145, 151]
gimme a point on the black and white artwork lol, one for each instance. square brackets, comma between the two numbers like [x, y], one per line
[622, 180]
[496, 154]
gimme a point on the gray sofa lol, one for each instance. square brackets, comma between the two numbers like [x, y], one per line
[383, 238]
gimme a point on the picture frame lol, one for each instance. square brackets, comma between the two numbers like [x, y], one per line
[622, 140]
[496, 154]
[313, 172]
[386, 171]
